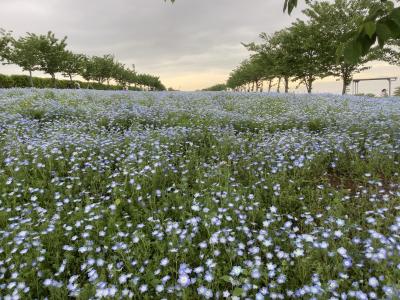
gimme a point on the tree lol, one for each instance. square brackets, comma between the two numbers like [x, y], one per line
[380, 25]
[72, 64]
[123, 75]
[87, 71]
[335, 23]
[216, 88]
[275, 57]
[25, 53]
[103, 68]
[5, 40]
[249, 76]
[51, 53]
[308, 53]
[390, 53]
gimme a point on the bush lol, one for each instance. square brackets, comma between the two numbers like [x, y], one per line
[6, 81]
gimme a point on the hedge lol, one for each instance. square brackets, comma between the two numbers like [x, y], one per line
[22, 81]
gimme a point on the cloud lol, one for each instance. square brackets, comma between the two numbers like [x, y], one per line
[191, 39]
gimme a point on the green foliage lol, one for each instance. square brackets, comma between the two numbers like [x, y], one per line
[335, 23]
[308, 53]
[23, 81]
[249, 75]
[216, 88]
[380, 25]
[297, 52]
[48, 54]
[24, 52]
[102, 68]
[5, 39]
[317, 47]
[51, 53]
[72, 64]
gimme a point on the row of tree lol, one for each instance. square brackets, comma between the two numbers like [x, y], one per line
[380, 25]
[312, 49]
[50, 55]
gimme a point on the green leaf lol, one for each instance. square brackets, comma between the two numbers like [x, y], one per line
[394, 28]
[353, 51]
[395, 13]
[289, 5]
[381, 42]
[383, 31]
[395, 18]
[237, 292]
[366, 43]
[370, 28]
[226, 278]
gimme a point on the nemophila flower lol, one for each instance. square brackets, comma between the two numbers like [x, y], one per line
[347, 263]
[195, 207]
[143, 288]
[159, 288]
[123, 279]
[273, 209]
[236, 271]
[298, 252]
[373, 282]
[255, 274]
[342, 251]
[164, 262]
[226, 294]
[184, 280]
[208, 277]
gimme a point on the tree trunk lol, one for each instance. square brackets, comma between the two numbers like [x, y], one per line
[70, 77]
[270, 86]
[53, 78]
[278, 89]
[286, 84]
[344, 88]
[346, 77]
[309, 83]
[30, 78]
[252, 87]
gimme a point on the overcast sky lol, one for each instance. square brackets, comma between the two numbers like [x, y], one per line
[191, 44]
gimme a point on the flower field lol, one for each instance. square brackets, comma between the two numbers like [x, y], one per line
[198, 196]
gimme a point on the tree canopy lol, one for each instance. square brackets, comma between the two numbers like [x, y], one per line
[381, 24]
[49, 54]
[312, 49]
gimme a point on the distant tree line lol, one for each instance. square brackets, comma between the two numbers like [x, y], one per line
[216, 88]
[312, 49]
[48, 54]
